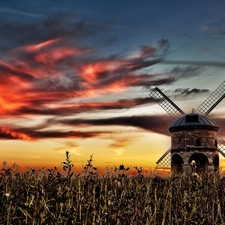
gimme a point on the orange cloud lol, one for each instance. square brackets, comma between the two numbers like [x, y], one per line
[6, 133]
[39, 46]
[53, 71]
[119, 145]
[53, 78]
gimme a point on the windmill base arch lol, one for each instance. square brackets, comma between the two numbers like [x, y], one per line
[177, 163]
[201, 162]
[181, 161]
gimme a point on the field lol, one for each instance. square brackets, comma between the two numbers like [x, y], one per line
[88, 197]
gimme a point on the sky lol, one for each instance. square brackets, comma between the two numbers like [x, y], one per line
[76, 76]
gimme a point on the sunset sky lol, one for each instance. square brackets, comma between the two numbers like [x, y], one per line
[76, 76]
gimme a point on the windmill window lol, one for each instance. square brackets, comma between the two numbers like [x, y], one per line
[216, 143]
[192, 118]
[198, 142]
[216, 162]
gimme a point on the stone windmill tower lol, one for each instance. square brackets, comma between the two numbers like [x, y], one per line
[194, 136]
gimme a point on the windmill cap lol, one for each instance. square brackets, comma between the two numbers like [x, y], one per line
[193, 120]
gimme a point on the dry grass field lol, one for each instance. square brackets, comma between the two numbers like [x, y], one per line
[51, 197]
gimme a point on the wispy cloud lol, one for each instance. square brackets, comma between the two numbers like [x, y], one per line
[76, 108]
[70, 147]
[213, 28]
[31, 133]
[195, 63]
[184, 92]
[119, 145]
[189, 71]
[11, 10]
[50, 71]
[53, 71]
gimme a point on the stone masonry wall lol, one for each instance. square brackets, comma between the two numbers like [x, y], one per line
[187, 138]
[185, 143]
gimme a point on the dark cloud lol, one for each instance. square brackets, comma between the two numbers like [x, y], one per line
[194, 63]
[220, 122]
[58, 134]
[10, 133]
[30, 134]
[140, 63]
[213, 28]
[152, 123]
[157, 123]
[8, 136]
[74, 108]
[179, 93]
[148, 51]
[164, 45]
[189, 71]
[184, 92]
[60, 25]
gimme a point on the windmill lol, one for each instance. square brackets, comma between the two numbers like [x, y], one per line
[194, 136]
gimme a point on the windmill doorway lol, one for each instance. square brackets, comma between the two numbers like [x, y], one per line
[201, 161]
[177, 163]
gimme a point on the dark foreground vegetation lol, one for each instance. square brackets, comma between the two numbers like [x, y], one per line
[50, 197]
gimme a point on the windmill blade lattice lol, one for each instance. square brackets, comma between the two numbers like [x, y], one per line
[221, 145]
[164, 161]
[212, 101]
[170, 107]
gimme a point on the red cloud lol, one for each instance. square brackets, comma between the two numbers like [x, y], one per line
[54, 71]
[33, 133]
[7, 133]
[49, 78]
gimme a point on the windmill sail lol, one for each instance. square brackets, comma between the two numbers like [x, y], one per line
[221, 145]
[169, 106]
[174, 111]
[212, 101]
[164, 161]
